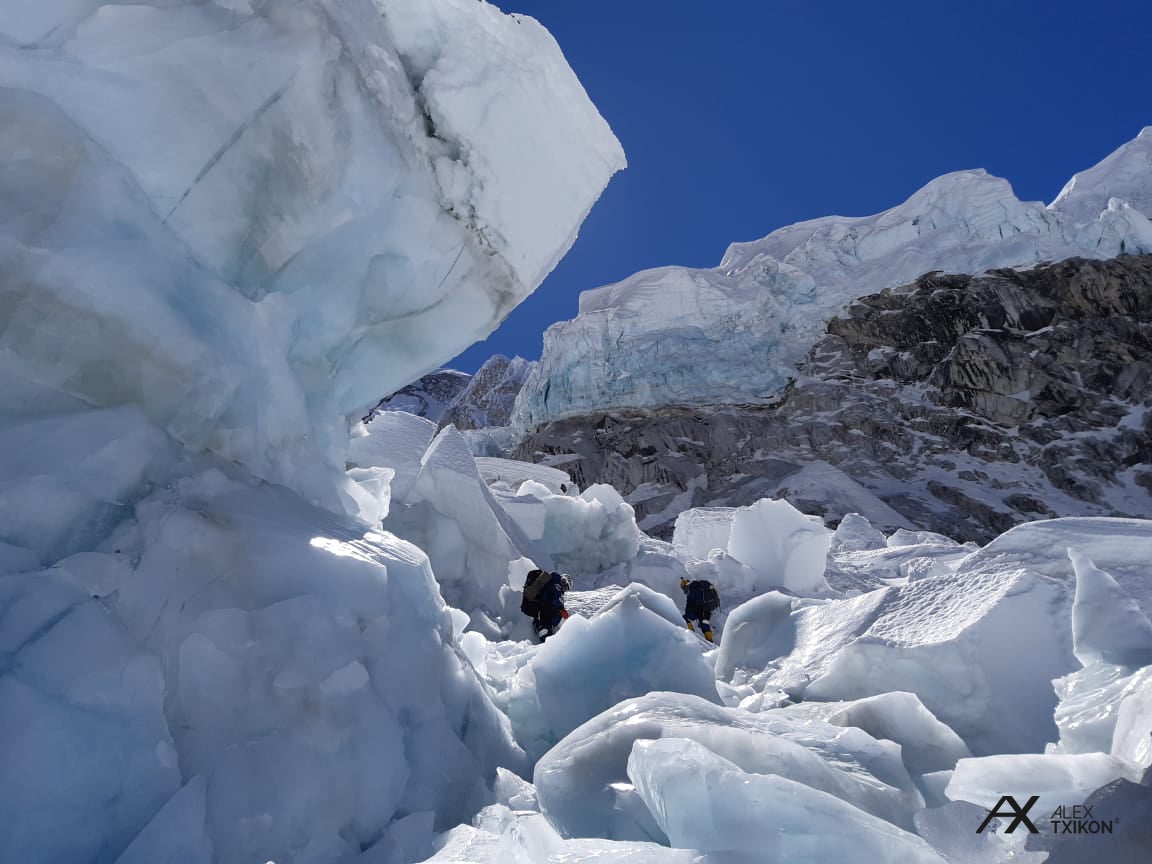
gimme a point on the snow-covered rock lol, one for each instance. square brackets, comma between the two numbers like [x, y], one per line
[490, 394]
[679, 336]
[429, 397]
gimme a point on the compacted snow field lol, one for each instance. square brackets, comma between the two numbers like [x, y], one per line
[231, 632]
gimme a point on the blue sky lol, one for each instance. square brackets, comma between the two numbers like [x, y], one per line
[741, 116]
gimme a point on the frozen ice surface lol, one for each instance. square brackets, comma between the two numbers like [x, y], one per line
[87, 753]
[1090, 701]
[574, 780]
[393, 440]
[1132, 740]
[1057, 779]
[1107, 625]
[778, 546]
[638, 644]
[678, 336]
[703, 801]
[250, 221]
[450, 514]
[856, 534]
[586, 533]
[926, 745]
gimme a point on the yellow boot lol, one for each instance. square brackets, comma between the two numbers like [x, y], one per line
[691, 629]
[708, 635]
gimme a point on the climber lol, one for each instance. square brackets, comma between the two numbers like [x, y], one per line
[702, 601]
[544, 601]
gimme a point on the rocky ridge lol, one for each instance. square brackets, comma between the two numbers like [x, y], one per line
[958, 404]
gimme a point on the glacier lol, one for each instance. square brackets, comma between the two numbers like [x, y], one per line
[225, 227]
[248, 220]
[237, 626]
[682, 337]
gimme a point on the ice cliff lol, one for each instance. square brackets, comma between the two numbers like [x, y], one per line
[732, 335]
[249, 219]
[225, 227]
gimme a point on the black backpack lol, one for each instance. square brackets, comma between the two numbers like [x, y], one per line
[706, 593]
[535, 581]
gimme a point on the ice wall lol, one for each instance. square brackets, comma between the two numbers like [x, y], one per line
[249, 219]
[224, 228]
[682, 336]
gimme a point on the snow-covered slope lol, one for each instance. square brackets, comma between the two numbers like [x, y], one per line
[489, 397]
[242, 217]
[430, 396]
[675, 336]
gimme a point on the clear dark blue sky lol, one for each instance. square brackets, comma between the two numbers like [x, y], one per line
[741, 116]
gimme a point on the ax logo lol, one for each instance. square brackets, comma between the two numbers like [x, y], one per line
[1007, 806]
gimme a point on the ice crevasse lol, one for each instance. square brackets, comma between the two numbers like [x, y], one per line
[224, 228]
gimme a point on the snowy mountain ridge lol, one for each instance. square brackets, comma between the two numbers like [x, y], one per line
[676, 336]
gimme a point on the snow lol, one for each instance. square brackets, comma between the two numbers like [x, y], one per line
[678, 336]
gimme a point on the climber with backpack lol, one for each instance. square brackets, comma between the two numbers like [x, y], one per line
[702, 600]
[544, 601]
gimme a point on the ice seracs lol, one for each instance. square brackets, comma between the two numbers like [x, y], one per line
[278, 210]
[676, 336]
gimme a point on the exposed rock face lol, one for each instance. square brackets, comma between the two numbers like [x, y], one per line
[488, 398]
[430, 396]
[965, 404]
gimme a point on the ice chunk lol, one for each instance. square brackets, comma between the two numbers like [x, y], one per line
[1057, 779]
[782, 546]
[179, 832]
[451, 516]
[626, 650]
[1090, 701]
[79, 699]
[299, 206]
[703, 801]
[1132, 740]
[1107, 625]
[585, 533]
[856, 534]
[393, 440]
[785, 643]
[904, 537]
[574, 779]
[950, 828]
[926, 744]
[995, 632]
[701, 529]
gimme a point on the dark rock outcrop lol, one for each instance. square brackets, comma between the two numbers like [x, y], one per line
[966, 404]
[489, 397]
